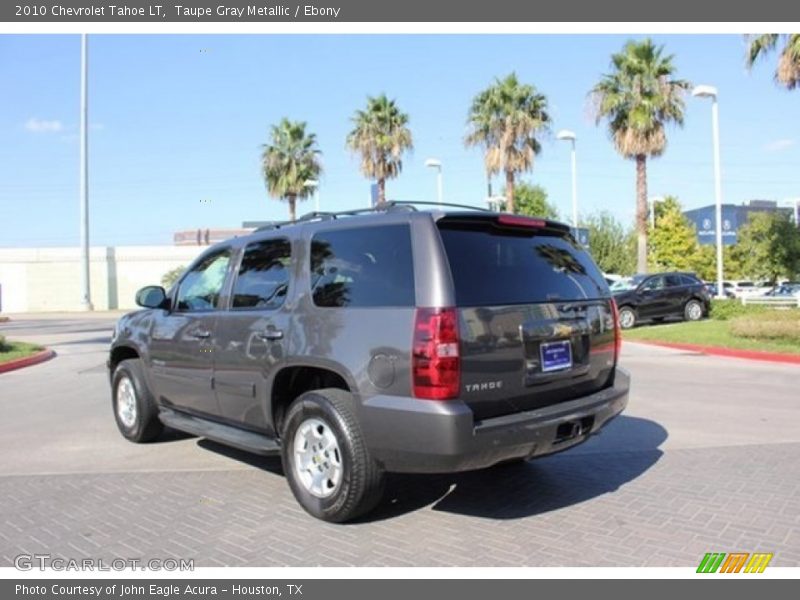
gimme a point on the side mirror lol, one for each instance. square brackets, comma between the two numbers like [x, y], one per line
[152, 296]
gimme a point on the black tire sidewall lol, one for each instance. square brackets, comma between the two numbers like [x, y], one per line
[314, 405]
[686, 310]
[633, 313]
[135, 433]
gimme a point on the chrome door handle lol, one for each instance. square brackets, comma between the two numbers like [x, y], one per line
[201, 334]
[270, 334]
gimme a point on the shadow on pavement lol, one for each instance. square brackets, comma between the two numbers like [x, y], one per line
[267, 463]
[624, 451]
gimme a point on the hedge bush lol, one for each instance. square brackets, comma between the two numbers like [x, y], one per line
[3, 346]
[724, 310]
[773, 325]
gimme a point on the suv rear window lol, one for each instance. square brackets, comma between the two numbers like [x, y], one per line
[493, 266]
[364, 267]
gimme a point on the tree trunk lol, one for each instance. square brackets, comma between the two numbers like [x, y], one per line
[510, 192]
[292, 207]
[381, 191]
[641, 213]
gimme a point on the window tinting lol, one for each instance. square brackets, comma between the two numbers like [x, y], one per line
[369, 266]
[200, 288]
[675, 281]
[263, 277]
[493, 266]
[653, 284]
[689, 280]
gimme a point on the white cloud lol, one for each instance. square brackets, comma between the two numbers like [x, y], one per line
[779, 145]
[36, 125]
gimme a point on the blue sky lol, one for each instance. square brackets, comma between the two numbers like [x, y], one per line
[178, 122]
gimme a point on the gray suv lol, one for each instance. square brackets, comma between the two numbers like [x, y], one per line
[388, 340]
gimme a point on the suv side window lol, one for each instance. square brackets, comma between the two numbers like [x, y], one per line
[689, 280]
[200, 288]
[364, 267]
[654, 284]
[676, 281]
[263, 277]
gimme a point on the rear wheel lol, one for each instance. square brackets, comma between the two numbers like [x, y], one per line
[325, 458]
[693, 311]
[134, 407]
[627, 317]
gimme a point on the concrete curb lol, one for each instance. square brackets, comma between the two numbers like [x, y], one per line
[27, 361]
[775, 357]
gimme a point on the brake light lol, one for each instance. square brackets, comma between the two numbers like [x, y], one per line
[519, 221]
[617, 331]
[436, 361]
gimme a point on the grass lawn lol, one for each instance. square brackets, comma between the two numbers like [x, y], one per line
[14, 350]
[708, 333]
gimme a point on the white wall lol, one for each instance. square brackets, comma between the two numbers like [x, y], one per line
[48, 279]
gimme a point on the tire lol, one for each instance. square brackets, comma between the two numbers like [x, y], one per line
[135, 410]
[693, 311]
[350, 482]
[627, 317]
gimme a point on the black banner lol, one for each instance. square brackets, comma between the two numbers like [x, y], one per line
[409, 11]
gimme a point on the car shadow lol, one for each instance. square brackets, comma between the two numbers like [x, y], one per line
[267, 463]
[624, 450]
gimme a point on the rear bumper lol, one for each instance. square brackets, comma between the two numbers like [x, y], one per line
[419, 436]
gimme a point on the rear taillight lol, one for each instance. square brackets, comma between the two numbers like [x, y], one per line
[617, 331]
[436, 363]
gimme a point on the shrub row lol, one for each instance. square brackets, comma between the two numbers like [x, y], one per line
[724, 310]
[772, 325]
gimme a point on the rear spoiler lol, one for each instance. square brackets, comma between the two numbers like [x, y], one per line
[505, 221]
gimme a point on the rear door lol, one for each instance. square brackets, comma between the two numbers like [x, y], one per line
[536, 320]
[252, 332]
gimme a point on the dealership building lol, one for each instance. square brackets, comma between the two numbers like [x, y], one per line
[733, 217]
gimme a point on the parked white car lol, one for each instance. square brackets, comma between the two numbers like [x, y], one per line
[744, 288]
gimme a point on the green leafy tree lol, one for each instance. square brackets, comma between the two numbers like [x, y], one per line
[768, 247]
[505, 120]
[638, 99]
[169, 278]
[612, 245]
[380, 136]
[787, 73]
[291, 158]
[673, 240]
[706, 267]
[531, 200]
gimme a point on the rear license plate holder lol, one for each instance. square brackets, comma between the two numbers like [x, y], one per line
[556, 356]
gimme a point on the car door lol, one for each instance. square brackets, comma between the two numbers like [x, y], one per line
[182, 342]
[651, 297]
[676, 294]
[252, 331]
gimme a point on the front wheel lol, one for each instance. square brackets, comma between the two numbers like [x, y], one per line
[693, 311]
[627, 317]
[325, 458]
[134, 409]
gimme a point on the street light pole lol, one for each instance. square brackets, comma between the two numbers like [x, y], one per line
[436, 164]
[566, 134]
[707, 91]
[86, 299]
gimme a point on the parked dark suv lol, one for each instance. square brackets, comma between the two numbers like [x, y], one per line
[661, 295]
[371, 341]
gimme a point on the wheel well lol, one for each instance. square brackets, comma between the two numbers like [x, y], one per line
[293, 381]
[119, 354]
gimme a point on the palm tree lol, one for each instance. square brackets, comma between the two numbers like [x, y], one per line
[289, 160]
[638, 99]
[380, 137]
[504, 119]
[788, 71]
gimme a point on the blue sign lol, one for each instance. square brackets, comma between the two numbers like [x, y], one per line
[705, 222]
[581, 234]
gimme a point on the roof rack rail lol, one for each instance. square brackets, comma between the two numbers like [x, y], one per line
[388, 206]
[427, 203]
